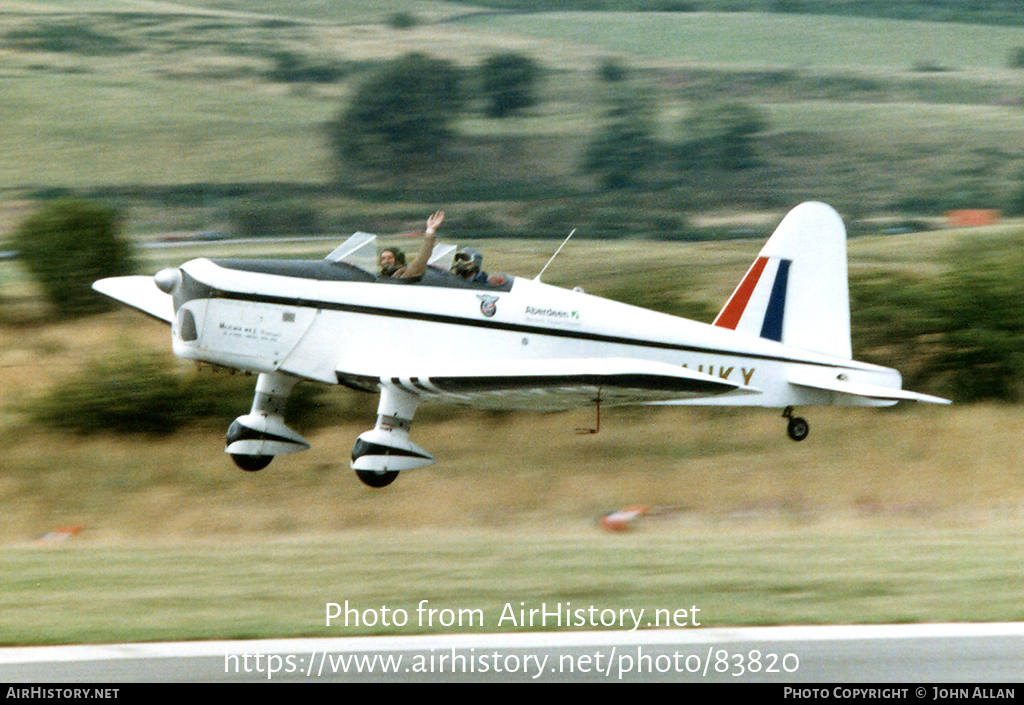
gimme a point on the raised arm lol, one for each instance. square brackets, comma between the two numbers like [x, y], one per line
[418, 266]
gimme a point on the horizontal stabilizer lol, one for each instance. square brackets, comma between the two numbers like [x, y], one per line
[862, 389]
[138, 292]
[539, 384]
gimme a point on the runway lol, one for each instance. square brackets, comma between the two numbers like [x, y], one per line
[913, 655]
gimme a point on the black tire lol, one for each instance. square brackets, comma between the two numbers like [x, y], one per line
[798, 428]
[377, 479]
[251, 463]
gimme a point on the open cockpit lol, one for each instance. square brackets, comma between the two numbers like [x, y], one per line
[356, 260]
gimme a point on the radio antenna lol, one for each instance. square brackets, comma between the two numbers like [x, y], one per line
[537, 278]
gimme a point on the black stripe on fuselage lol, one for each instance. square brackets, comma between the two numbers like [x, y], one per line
[661, 383]
[500, 325]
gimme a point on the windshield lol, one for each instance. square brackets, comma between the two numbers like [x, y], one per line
[360, 250]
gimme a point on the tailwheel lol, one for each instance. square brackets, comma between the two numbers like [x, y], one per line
[251, 463]
[797, 428]
[377, 478]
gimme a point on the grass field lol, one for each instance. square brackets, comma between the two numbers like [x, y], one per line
[733, 576]
[123, 131]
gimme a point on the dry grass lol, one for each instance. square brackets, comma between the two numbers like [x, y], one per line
[35, 355]
[722, 468]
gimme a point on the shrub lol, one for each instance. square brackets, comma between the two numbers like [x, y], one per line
[1015, 202]
[982, 302]
[67, 246]
[400, 117]
[402, 20]
[960, 335]
[625, 148]
[722, 135]
[509, 83]
[612, 71]
[68, 37]
[290, 67]
[145, 392]
[263, 219]
[127, 394]
[928, 66]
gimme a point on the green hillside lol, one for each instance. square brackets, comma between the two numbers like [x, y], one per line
[773, 40]
[207, 93]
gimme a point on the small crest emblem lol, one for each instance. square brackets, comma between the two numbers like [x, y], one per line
[488, 305]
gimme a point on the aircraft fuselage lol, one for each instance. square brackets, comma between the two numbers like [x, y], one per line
[302, 318]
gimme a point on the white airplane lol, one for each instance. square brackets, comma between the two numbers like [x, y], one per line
[781, 341]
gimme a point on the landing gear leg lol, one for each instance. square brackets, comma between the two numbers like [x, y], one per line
[797, 428]
[380, 454]
[254, 439]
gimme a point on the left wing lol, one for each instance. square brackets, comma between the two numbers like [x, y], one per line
[139, 292]
[549, 385]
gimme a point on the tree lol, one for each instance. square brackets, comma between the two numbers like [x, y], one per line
[626, 146]
[1017, 58]
[1013, 203]
[612, 71]
[982, 304]
[67, 246]
[958, 334]
[402, 20]
[722, 135]
[509, 82]
[400, 116]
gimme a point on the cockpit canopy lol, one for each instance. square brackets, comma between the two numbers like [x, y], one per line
[360, 251]
[356, 260]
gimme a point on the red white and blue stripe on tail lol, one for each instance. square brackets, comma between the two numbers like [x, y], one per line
[758, 305]
[796, 291]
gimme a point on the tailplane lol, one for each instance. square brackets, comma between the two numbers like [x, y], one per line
[796, 291]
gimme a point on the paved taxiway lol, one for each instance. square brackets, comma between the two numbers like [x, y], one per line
[907, 654]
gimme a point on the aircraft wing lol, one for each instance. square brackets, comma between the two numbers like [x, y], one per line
[861, 389]
[548, 385]
[138, 292]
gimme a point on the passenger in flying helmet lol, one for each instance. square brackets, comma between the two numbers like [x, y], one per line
[467, 265]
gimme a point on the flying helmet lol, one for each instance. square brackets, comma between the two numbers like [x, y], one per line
[467, 262]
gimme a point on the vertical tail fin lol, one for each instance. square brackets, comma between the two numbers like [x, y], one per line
[796, 292]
